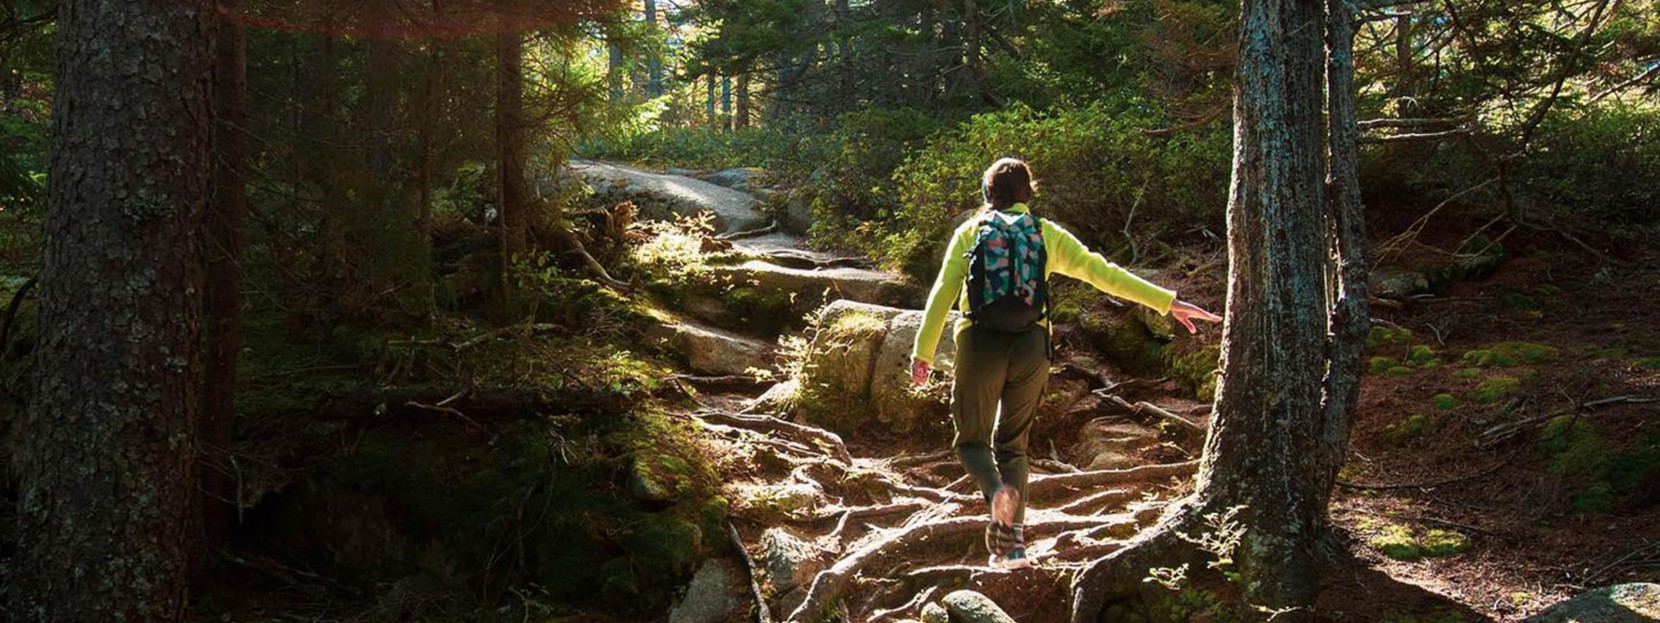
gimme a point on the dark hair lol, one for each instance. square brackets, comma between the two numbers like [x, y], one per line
[1007, 182]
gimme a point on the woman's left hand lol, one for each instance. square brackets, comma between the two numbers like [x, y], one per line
[1185, 313]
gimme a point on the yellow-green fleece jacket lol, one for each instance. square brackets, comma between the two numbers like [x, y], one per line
[1067, 256]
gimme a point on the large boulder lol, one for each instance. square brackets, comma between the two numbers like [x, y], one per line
[967, 606]
[710, 350]
[810, 287]
[858, 369]
[716, 595]
[1621, 603]
[661, 196]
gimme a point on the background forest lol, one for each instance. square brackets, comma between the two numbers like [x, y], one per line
[445, 367]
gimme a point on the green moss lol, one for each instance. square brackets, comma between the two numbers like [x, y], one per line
[1403, 543]
[1597, 499]
[549, 487]
[1422, 356]
[1572, 445]
[1380, 365]
[1648, 363]
[1491, 390]
[1398, 371]
[1466, 373]
[1610, 353]
[1413, 427]
[1196, 370]
[1444, 402]
[1507, 354]
[1381, 335]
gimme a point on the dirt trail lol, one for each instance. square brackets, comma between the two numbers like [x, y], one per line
[889, 527]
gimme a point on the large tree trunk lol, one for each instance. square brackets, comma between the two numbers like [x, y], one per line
[1297, 270]
[1264, 450]
[107, 501]
[222, 291]
[510, 143]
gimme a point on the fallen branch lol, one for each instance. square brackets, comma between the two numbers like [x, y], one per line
[1502, 432]
[1148, 407]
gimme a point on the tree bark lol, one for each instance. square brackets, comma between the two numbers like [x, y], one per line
[726, 102]
[1297, 271]
[107, 509]
[742, 120]
[222, 289]
[510, 143]
[1350, 315]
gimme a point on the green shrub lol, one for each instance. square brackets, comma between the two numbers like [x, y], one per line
[1094, 166]
[1601, 163]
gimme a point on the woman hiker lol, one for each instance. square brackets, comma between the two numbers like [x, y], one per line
[996, 269]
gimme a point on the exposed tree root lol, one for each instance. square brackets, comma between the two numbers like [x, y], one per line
[1042, 487]
[763, 422]
[901, 535]
[763, 613]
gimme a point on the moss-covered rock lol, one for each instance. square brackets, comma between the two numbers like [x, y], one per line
[855, 371]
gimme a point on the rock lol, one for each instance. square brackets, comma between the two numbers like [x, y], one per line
[815, 286]
[744, 179]
[788, 499]
[1112, 443]
[935, 613]
[788, 560]
[713, 351]
[970, 607]
[659, 196]
[798, 215]
[716, 595]
[1399, 283]
[1622, 603]
[858, 369]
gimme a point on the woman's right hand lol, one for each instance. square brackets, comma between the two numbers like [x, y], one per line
[919, 371]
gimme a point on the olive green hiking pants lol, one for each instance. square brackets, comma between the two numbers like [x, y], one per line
[999, 382]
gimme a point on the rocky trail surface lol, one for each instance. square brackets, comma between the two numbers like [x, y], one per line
[846, 498]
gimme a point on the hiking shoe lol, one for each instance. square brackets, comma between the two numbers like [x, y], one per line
[1003, 505]
[1015, 560]
[999, 539]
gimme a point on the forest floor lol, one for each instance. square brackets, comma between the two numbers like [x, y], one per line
[1503, 445]
[1505, 453]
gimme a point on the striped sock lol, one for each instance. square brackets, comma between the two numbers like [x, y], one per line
[1019, 541]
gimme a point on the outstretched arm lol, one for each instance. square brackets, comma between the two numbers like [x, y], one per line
[1070, 257]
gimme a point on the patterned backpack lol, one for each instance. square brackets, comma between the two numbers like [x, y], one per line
[1008, 289]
